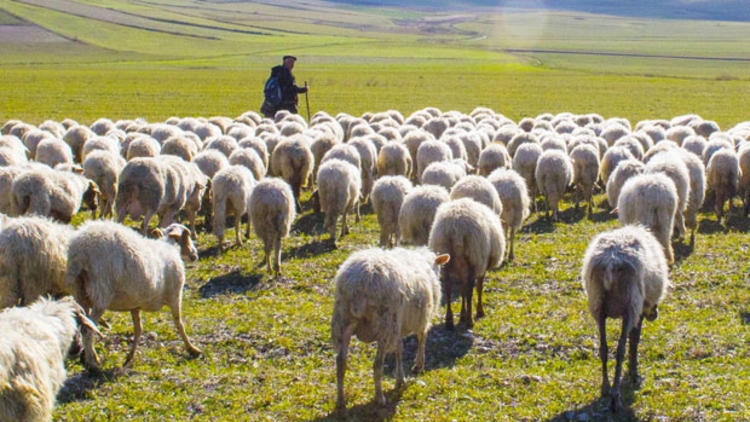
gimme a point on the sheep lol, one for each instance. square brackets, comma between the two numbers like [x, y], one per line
[722, 176]
[322, 142]
[54, 193]
[258, 145]
[472, 234]
[743, 186]
[611, 157]
[383, 295]
[625, 276]
[444, 173]
[456, 145]
[519, 139]
[141, 146]
[231, 190]
[525, 163]
[10, 156]
[249, 158]
[112, 267]
[76, 136]
[224, 143]
[586, 172]
[192, 187]
[104, 168]
[479, 189]
[368, 158]
[394, 160]
[554, 173]
[102, 125]
[695, 144]
[511, 188]
[180, 146]
[672, 165]
[412, 140]
[33, 254]
[696, 191]
[418, 213]
[650, 200]
[388, 194]
[99, 143]
[339, 185]
[431, 151]
[494, 156]
[272, 213]
[35, 342]
[625, 169]
[52, 151]
[292, 160]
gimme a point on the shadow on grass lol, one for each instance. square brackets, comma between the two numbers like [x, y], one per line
[745, 317]
[310, 224]
[599, 409]
[76, 387]
[232, 283]
[369, 411]
[314, 248]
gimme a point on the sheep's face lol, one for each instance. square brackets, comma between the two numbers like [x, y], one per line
[180, 235]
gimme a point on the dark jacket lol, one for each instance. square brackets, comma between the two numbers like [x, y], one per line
[289, 91]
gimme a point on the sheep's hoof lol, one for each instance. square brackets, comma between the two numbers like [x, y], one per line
[194, 351]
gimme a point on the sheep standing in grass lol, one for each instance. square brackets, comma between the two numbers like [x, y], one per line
[650, 200]
[586, 172]
[112, 267]
[418, 213]
[232, 187]
[53, 193]
[339, 185]
[525, 162]
[292, 160]
[554, 173]
[394, 160]
[479, 189]
[35, 342]
[494, 156]
[625, 169]
[511, 188]
[625, 276]
[387, 196]
[33, 254]
[472, 234]
[722, 176]
[104, 168]
[672, 165]
[272, 214]
[383, 296]
[743, 159]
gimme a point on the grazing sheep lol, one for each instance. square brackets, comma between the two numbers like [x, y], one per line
[146, 187]
[525, 163]
[100, 143]
[650, 200]
[418, 213]
[672, 165]
[292, 160]
[104, 168]
[625, 276]
[387, 196]
[722, 177]
[52, 151]
[53, 193]
[141, 146]
[554, 173]
[696, 191]
[368, 157]
[33, 254]
[112, 267]
[35, 342]
[224, 143]
[611, 157]
[743, 158]
[339, 185]
[384, 295]
[511, 188]
[249, 158]
[625, 170]
[394, 160]
[431, 151]
[322, 142]
[259, 146]
[494, 156]
[519, 139]
[472, 234]
[444, 173]
[272, 214]
[479, 189]
[231, 189]
[180, 146]
[586, 172]
[76, 136]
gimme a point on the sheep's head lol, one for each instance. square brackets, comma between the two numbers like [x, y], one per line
[180, 235]
[91, 195]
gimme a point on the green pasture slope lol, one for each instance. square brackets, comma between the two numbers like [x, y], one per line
[266, 345]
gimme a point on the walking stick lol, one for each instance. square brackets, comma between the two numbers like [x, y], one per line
[307, 103]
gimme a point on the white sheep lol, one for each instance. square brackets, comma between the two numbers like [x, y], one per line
[743, 187]
[293, 161]
[494, 156]
[35, 342]
[394, 160]
[181, 146]
[524, 162]
[54, 193]
[53, 151]
[100, 143]
[554, 173]
[339, 185]
[444, 173]
[141, 145]
[249, 158]
[511, 188]
[231, 189]
[104, 168]
[722, 177]
[472, 234]
[625, 276]
[672, 165]
[387, 196]
[112, 267]
[611, 157]
[431, 151]
[384, 295]
[418, 213]
[272, 213]
[75, 137]
[586, 172]
[258, 145]
[696, 191]
[650, 200]
[479, 189]
[625, 169]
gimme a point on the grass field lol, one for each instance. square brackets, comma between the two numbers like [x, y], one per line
[267, 354]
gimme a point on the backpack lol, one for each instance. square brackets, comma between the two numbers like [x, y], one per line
[272, 91]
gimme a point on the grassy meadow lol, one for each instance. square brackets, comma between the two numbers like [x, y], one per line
[267, 354]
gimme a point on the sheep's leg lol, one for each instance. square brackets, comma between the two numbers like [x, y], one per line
[679, 223]
[467, 293]
[237, 229]
[384, 238]
[601, 323]
[341, 356]
[620, 356]
[635, 338]
[400, 375]
[419, 360]
[90, 358]
[177, 318]
[137, 330]
[344, 226]
[267, 249]
[512, 237]
[448, 310]
[277, 255]
[378, 374]
[480, 305]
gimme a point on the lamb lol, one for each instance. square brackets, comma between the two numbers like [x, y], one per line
[472, 234]
[650, 200]
[33, 254]
[479, 189]
[387, 196]
[272, 213]
[625, 170]
[231, 190]
[383, 295]
[586, 172]
[554, 173]
[339, 185]
[54, 193]
[722, 176]
[418, 213]
[292, 160]
[35, 342]
[511, 188]
[494, 156]
[112, 267]
[625, 276]
[394, 160]
[104, 168]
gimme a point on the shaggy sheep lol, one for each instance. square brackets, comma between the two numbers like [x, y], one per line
[231, 189]
[293, 161]
[272, 213]
[586, 172]
[625, 169]
[368, 157]
[112, 267]
[456, 145]
[224, 143]
[554, 173]
[102, 125]
[472, 234]
[429, 152]
[100, 143]
[671, 164]
[322, 142]
[650, 200]
[249, 158]
[33, 254]
[104, 168]
[525, 163]
[258, 145]
[181, 146]
[52, 151]
[387, 196]
[479, 189]
[383, 296]
[35, 342]
[695, 144]
[611, 157]
[494, 156]
[625, 276]
[339, 185]
[696, 190]
[511, 188]
[743, 187]
[722, 177]
[520, 139]
[444, 173]
[394, 160]
[418, 213]
[76, 137]
[141, 146]
[53, 193]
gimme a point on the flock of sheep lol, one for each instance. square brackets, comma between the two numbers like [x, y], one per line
[455, 187]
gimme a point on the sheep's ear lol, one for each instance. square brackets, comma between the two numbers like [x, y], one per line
[157, 233]
[76, 169]
[84, 321]
[94, 187]
[442, 259]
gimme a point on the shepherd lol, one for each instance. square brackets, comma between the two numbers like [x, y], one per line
[280, 91]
